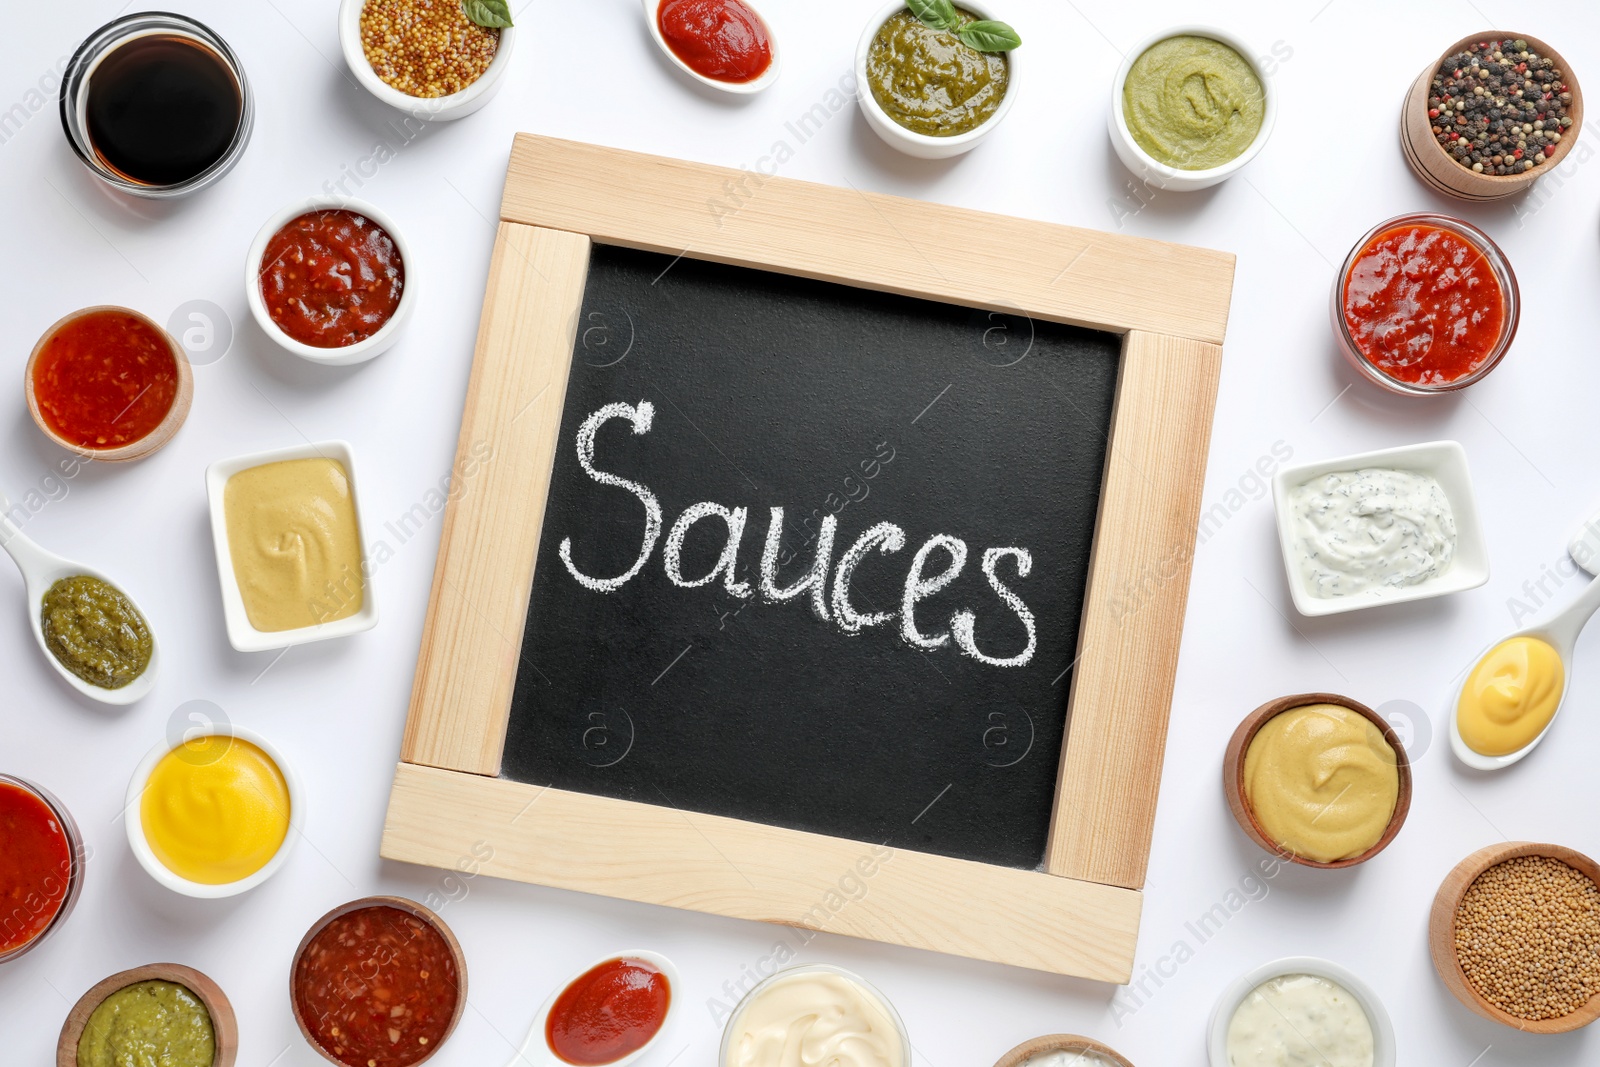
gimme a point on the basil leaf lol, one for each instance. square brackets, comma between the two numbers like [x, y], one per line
[940, 14]
[493, 14]
[986, 35]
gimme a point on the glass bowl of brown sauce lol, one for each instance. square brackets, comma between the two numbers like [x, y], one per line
[156, 105]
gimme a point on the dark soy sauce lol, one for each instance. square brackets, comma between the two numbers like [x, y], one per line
[162, 108]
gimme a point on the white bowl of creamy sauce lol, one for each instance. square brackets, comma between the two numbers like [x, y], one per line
[1382, 527]
[1300, 1012]
[817, 1014]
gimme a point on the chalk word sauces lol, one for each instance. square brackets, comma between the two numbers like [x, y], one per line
[829, 594]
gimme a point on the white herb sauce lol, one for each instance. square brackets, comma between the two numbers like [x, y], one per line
[1371, 529]
[1300, 1020]
[1061, 1058]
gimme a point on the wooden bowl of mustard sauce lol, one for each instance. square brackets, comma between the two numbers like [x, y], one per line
[1236, 789]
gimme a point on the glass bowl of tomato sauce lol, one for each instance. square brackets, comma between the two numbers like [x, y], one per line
[1424, 304]
[41, 865]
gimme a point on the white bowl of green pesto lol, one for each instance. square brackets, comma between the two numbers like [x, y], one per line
[1190, 106]
[925, 91]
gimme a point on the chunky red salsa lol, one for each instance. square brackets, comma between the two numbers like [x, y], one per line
[331, 278]
[724, 40]
[105, 379]
[377, 987]
[608, 1012]
[35, 867]
[1423, 304]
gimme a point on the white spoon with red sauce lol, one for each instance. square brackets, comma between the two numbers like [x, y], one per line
[605, 988]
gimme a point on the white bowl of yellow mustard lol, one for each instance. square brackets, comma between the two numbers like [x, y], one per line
[214, 813]
[286, 526]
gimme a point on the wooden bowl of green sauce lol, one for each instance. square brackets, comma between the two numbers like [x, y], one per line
[168, 1007]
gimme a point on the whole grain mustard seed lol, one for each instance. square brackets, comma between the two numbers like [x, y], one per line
[1528, 937]
[425, 48]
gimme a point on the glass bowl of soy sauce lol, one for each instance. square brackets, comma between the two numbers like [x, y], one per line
[156, 105]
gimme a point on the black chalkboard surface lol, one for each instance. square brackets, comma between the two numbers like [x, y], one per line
[765, 391]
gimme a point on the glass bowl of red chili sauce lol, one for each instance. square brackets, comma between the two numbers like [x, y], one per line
[330, 280]
[108, 382]
[41, 865]
[378, 982]
[1425, 304]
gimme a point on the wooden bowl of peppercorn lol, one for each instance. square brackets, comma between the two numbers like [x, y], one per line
[1495, 124]
[1499, 932]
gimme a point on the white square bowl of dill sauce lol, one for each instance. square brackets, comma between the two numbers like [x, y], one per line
[1446, 461]
[241, 634]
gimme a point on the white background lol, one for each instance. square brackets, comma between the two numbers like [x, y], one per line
[588, 71]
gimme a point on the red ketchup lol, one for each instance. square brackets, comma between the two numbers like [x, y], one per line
[724, 40]
[608, 1012]
[105, 379]
[1423, 304]
[35, 867]
[331, 278]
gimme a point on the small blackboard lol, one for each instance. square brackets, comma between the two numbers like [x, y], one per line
[597, 718]
[763, 391]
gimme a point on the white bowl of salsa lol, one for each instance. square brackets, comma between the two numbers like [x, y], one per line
[331, 279]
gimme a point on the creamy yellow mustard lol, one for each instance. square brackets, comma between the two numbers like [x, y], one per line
[1322, 781]
[1510, 696]
[295, 543]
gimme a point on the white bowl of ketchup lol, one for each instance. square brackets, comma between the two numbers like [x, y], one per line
[328, 296]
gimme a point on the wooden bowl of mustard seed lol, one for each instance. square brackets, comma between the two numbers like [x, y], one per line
[1508, 107]
[1515, 935]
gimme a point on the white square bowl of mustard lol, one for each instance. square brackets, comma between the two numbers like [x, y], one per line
[291, 559]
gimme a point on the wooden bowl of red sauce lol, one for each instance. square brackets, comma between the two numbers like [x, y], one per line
[109, 383]
[1400, 333]
[378, 982]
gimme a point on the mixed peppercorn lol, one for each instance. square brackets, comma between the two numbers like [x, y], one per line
[1498, 107]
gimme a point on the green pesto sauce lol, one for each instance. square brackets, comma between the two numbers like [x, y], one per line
[1193, 103]
[928, 81]
[149, 1024]
[95, 632]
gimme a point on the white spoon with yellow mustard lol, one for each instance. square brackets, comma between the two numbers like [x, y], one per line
[89, 630]
[1513, 692]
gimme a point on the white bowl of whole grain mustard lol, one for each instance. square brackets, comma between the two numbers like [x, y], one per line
[472, 95]
[1165, 175]
[1334, 1018]
[909, 141]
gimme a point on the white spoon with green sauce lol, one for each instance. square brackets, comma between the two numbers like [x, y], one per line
[40, 571]
[1560, 633]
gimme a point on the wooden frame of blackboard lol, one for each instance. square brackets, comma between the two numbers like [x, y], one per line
[1077, 916]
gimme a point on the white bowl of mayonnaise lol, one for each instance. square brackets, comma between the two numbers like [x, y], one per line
[809, 1006]
[1300, 1009]
[1380, 527]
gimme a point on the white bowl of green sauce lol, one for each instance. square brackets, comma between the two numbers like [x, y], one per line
[911, 142]
[1164, 174]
